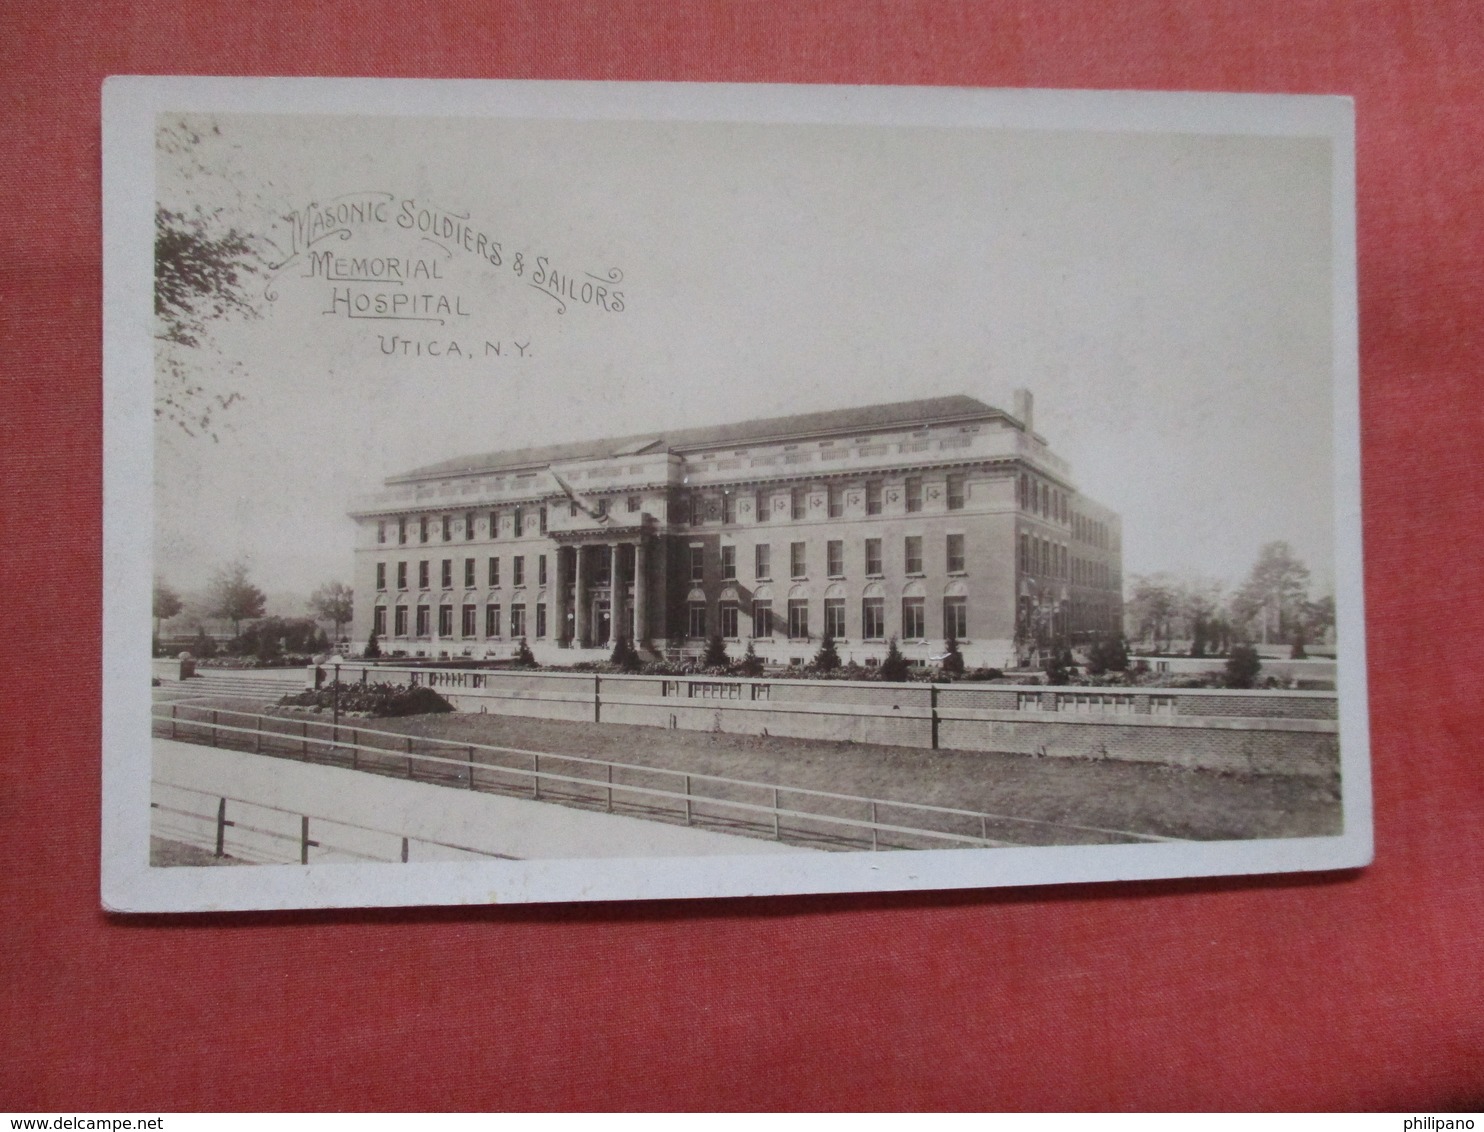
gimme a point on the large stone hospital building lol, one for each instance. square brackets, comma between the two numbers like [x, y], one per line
[917, 521]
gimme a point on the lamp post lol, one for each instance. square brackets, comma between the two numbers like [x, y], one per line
[335, 699]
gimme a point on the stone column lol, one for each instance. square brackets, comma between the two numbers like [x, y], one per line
[579, 622]
[615, 594]
[641, 594]
[559, 594]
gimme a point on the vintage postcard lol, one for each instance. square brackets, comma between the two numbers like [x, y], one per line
[548, 491]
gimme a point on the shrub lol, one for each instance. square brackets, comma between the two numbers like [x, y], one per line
[953, 660]
[716, 652]
[524, 657]
[383, 700]
[1060, 669]
[373, 648]
[827, 659]
[625, 657]
[752, 664]
[1242, 667]
[894, 665]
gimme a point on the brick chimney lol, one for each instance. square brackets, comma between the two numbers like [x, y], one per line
[1025, 406]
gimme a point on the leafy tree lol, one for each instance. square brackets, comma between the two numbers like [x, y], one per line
[203, 647]
[373, 647]
[827, 659]
[333, 602]
[1059, 668]
[894, 665]
[167, 604]
[1242, 667]
[233, 597]
[1274, 594]
[716, 652]
[524, 657]
[953, 660]
[1199, 603]
[1155, 603]
[751, 664]
[274, 636]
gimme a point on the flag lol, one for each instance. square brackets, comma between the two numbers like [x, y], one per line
[581, 504]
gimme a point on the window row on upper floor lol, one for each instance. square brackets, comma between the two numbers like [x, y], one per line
[867, 556]
[836, 501]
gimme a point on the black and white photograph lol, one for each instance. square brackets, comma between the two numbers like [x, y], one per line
[541, 491]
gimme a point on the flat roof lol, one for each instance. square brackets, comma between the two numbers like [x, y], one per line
[767, 430]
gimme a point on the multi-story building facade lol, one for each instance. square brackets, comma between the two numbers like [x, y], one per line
[917, 521]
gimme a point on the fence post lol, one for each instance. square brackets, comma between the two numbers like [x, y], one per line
[355, 748]
[983, 828]
[597, 698]
[471, 766]
[221, 828]
[304, 740]
[213, 727]
[535, 776]
[687, 799]
[933, 704]
[873, 826]
[257, 738]
[173, 708]
[775, 815]
[610, 788]
[304, 840]
[409, 758]
[404, 850]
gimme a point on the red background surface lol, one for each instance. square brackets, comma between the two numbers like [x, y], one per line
[1358, 990]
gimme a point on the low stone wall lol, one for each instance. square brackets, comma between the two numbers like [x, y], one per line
[1279, 732]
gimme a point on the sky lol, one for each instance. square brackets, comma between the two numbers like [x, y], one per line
[1165, 297]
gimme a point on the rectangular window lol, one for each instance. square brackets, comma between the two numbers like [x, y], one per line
[834, 556]
[492, 620]
[729, 564]
[914, 494]
[837, 503]
[762, 504]
[518, 620]
[762, 619]
[635, 502]
[378, 621]
[600, 508]
[422, 529]
[541, 571]
[381, 531]
[729, 507]
[381, 575]
[873, 556]
[914, 620]
[697, 625]
[424, 620]
[797, 566]
[401, 532]
[956, 554]
[697, 509]
[912, 554]
[796, 503]
[401, 620]
[469, 621]
[423, 575]
[834, 616]
[955, 493]
[697, 563]
[445, 620]
[447, 523]
[468, 526]
[540, 619]
[798, 618]
[517, 575]
[729, 620]
[494, 574]
[873, 497]
[445, 575]
[762, 561]
[519, 522]
[494, 524]
[541, 518]
[956, 618]
[401, 575]
[471, 572]
[873, 619]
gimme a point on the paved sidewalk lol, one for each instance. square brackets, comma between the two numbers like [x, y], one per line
[359, 817]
